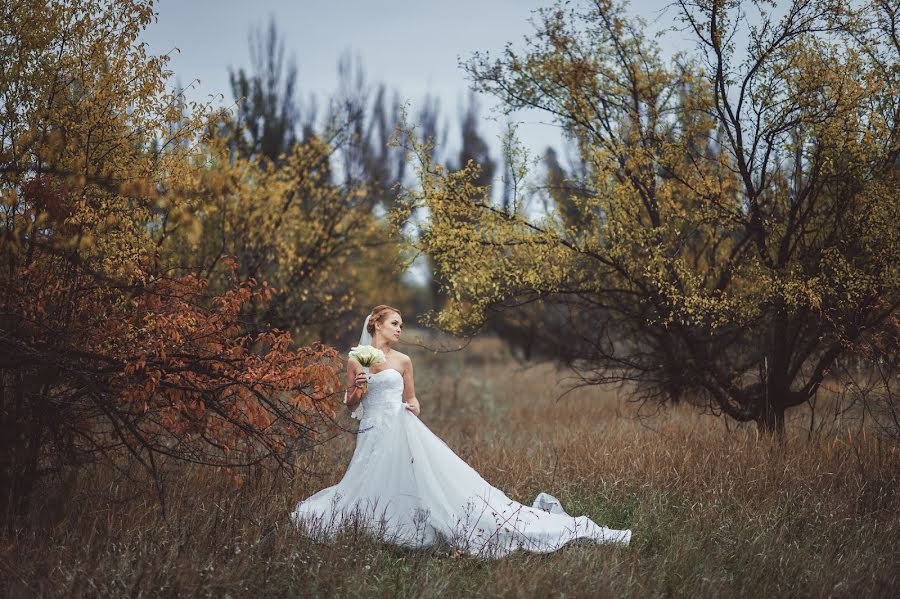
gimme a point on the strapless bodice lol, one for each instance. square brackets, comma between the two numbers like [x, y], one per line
[385, 396]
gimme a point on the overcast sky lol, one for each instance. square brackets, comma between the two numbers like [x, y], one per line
[412, 46]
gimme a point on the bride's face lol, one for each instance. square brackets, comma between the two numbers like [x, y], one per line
[391, 327]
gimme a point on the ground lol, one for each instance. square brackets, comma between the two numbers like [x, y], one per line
[716, 511]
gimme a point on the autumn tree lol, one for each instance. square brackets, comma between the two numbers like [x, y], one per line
[474, 152]
[539, 329]
[738, 232]
[317, 242]
[307, 214]
[107, 350]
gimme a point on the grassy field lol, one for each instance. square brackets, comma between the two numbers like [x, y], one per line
[715, 512]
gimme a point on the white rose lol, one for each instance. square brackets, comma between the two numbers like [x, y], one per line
[367, 355]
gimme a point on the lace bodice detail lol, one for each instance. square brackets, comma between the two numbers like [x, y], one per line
[384, 399]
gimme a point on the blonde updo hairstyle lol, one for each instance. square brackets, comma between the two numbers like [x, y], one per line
[379, 313]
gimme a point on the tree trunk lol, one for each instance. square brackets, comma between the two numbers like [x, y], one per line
[770, 417]
[776, 386]
[23, 425]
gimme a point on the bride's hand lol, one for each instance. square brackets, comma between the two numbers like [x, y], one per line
[361, 379]
[412, 405]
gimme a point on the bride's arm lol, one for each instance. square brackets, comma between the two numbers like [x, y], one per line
[409, 388]
[356, 378]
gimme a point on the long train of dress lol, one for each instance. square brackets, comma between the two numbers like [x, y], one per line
[406, 485]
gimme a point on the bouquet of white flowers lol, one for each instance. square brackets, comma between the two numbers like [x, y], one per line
[366, 355]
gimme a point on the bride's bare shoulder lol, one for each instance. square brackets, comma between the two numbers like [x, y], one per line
[403, 359]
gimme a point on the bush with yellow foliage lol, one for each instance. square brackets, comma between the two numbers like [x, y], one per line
[734, 238]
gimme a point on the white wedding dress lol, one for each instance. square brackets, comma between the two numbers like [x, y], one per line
[407, 486]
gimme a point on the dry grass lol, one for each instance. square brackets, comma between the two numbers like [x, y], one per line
[714, 512]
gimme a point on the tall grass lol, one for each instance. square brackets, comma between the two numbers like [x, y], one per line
[715, 512]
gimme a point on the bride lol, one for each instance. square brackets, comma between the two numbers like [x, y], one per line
[406, 485]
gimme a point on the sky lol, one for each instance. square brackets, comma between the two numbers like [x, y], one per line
[412, 46]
